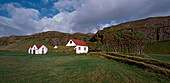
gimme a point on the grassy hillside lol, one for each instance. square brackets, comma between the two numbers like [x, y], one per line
[68, 68]
[23, 45]
[162, 47]
[51, 37]
[132, 36]
[62, 50]
[147, 64]
[163, 58]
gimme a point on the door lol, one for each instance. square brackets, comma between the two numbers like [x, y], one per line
[33, 51]
[42, 51]
[75, 50]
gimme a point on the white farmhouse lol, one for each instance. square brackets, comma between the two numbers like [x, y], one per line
[80, 46]
[38, 49]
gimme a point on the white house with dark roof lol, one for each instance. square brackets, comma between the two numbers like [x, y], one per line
[80, 46]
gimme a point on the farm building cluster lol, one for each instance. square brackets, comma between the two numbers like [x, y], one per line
[38, 49]
[79, 47]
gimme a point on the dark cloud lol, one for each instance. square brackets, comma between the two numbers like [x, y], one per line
[92, 13]
[95, 11]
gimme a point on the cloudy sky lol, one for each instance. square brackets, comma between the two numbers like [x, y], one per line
[24, 17]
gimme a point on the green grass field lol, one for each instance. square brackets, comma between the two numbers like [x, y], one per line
[164, 58]
[62, 50]
[161, 47]
[70, 68]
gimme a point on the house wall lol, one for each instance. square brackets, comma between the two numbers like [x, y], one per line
[29, 51]
[70, 44]
[81, 50]
[41, 48]
[34, 48]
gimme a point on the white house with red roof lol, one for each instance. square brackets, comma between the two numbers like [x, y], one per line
[38, 49]
[80, 46]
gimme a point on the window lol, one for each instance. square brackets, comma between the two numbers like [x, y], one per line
[79, 48]
[84, 48]
[70, 42]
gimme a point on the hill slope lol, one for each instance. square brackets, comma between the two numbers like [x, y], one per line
[155, 28]
[62, 50]
[125, 37]
[22, 46]
[161, 47]
[133, 36]
[51, 37]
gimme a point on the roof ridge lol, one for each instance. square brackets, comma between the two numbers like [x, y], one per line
[38, 46]
[79, 42]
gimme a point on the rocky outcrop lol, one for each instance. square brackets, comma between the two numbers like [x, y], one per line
[155, 28]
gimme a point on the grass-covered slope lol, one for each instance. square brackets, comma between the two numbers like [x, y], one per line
[51, 37]
[62, 50]
[69, 68]
[162, 47]
[123, 36]
[23, 45]
[148, 64]
[161, 57]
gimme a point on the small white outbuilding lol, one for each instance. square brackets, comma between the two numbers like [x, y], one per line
[55, 47]
[38, 49]
[80, 46]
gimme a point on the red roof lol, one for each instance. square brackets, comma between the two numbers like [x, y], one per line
[38, 46]
[79, 42]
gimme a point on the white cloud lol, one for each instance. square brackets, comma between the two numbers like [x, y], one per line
[60, 22]
[68, 5]
[22, 19]
[107, 24]
[21, 13]
[8, 27]
[81, 15]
